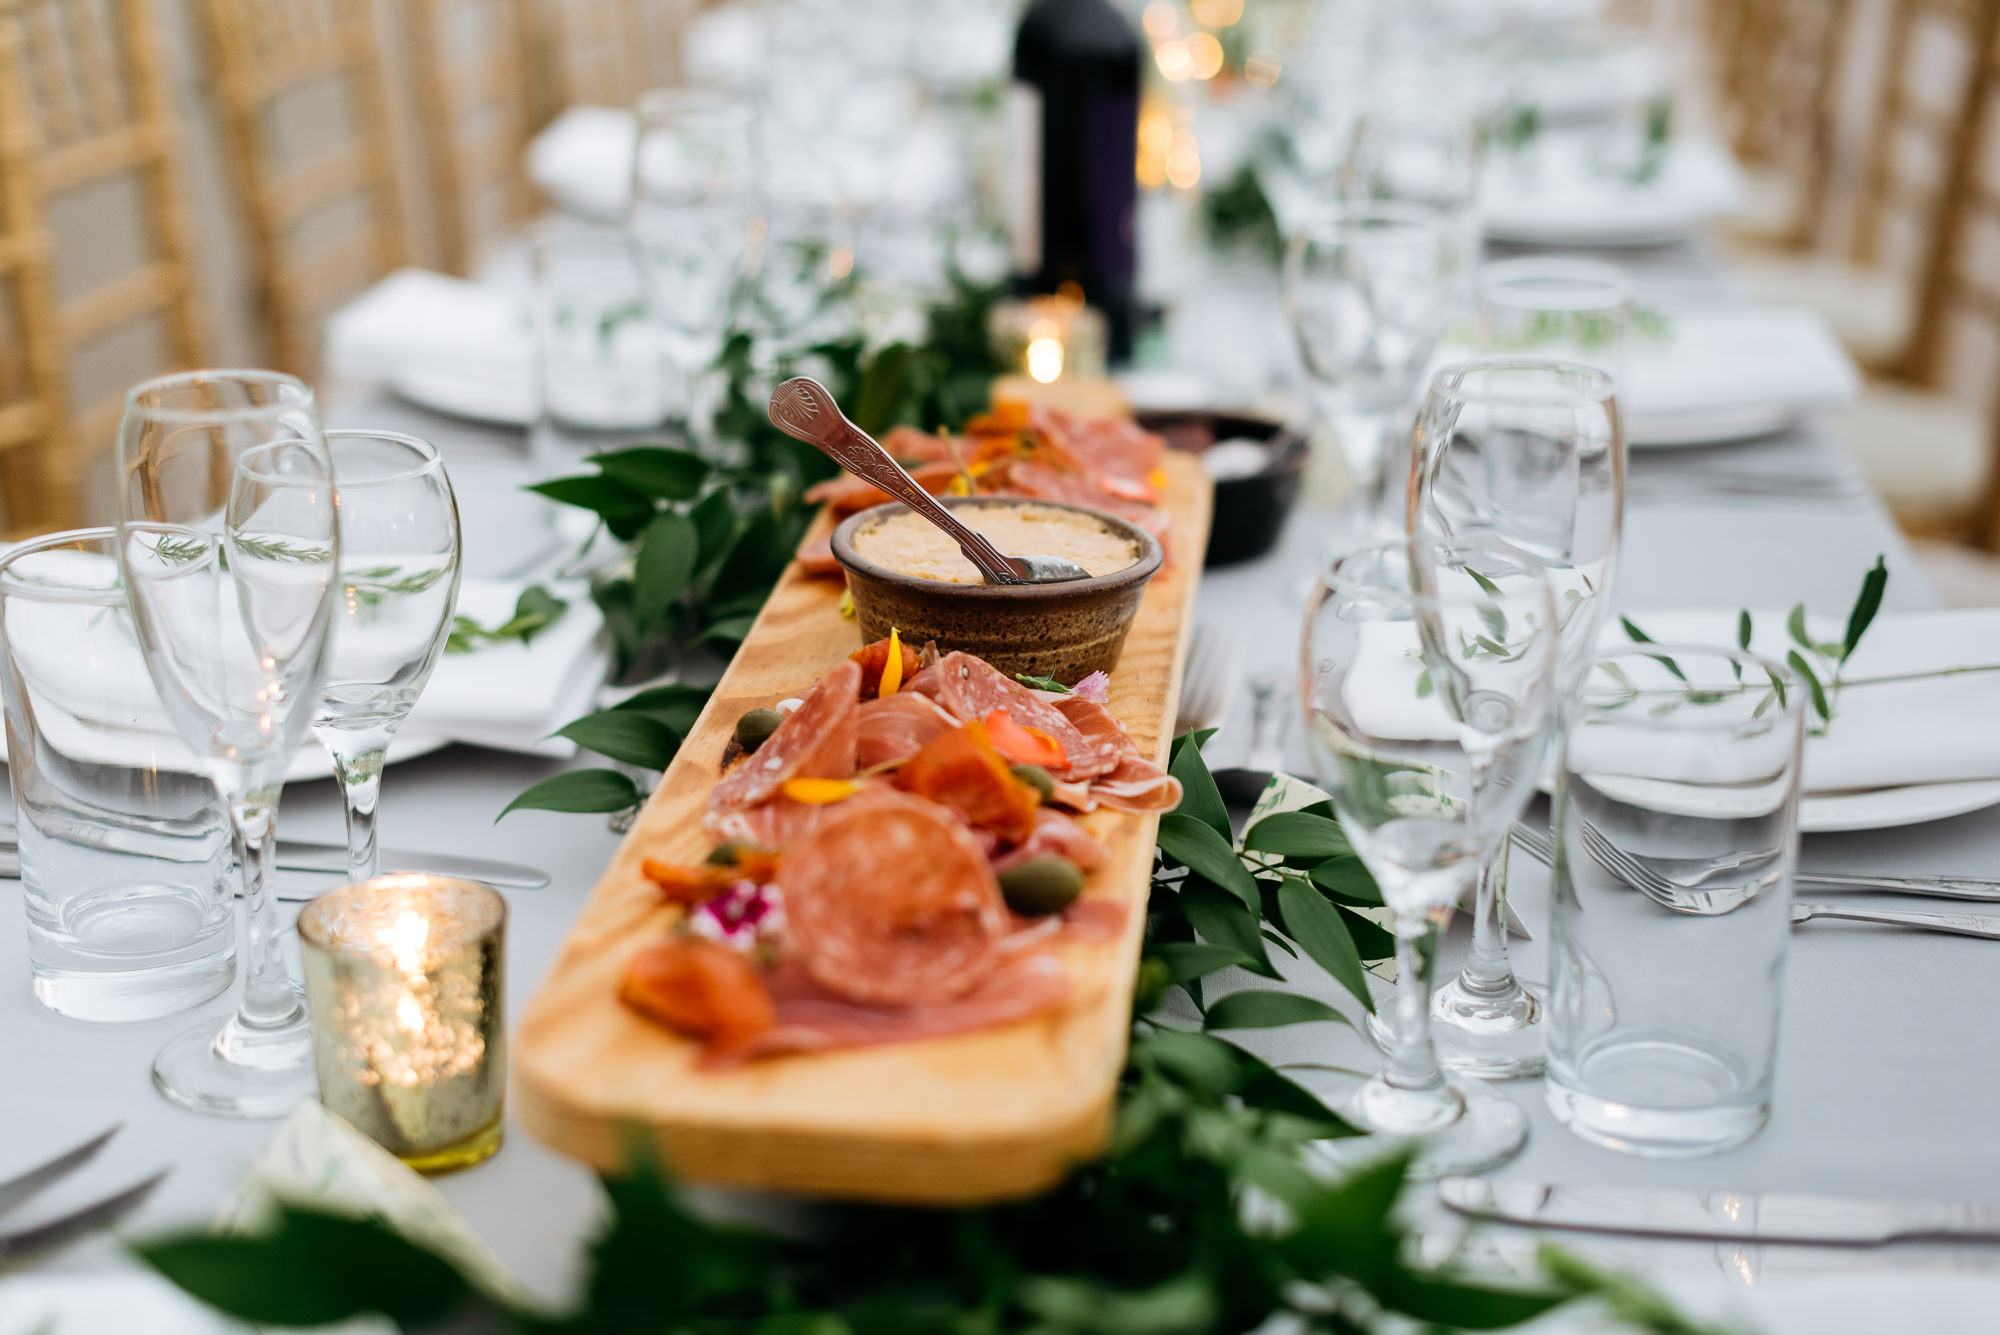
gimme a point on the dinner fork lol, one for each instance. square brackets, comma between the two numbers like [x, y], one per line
[40, 1237]
[1972, 888]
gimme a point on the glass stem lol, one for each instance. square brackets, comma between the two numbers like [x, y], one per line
[1412, 1060]
[361, 787]
[270, 1001]
[1487, 971]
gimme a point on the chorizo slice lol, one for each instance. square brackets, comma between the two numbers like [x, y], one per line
[816, 741]
[894, 905]
[970, 688]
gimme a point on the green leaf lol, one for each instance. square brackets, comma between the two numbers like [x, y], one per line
[676, 705]
[1200, 799]
[311, 1270]
[1316, 926]
[715, 524]
[1819, 703]
[1795, 626]
[1265, 1087]
[1201, 1062]
[663, 566]
[1371, 939]
[534, 611]
[1295, 834]
[732, 629]
[1866, 605]
[637, 739]
[878, 400]
[579, 790]
[1743, 629]
[1196, 845]
[1348, 881]
[1633, 633]
[1187, 1302]
[1266, 1009]
[1041, 683]
[1193, 959]
[670, 475]
[623, 510]
[1221, 920]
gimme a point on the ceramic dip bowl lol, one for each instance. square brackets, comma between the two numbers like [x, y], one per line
[1065, 631]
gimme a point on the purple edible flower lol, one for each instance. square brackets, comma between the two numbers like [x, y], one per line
[1095, 688]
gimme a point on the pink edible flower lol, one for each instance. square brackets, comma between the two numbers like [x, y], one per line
[744, 916]
[1095, 688]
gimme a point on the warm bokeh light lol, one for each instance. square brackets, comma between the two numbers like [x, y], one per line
[1204, 55]
[1184, 162]
[1262, 69]
[1217, 13]
[1156, 138]
[1176, 65]
[1045, 358]
[1161, 20]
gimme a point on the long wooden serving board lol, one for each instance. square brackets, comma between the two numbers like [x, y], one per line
[999, 1113]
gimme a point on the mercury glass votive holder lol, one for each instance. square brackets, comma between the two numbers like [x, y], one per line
[405, 977]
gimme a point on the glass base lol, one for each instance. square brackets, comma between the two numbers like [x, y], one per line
[239, 1071]
[1501, 1036]
[478, 1147]
[1469, 1130]
[1679, 1100]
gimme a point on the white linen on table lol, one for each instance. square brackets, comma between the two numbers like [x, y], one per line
[1734, 357]
[439, 339]
[1556, 196]
[1931, 731]
[583, 160]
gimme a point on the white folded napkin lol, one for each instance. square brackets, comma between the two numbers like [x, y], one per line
[440, 340]
[1556, 194]
[583, 160]
[1739, 357]
[1937, 730]
[511, 696]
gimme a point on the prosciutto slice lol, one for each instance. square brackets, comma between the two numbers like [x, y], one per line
[1133, 783]
[896, 727]
[970, 688]
[893, 904]
[1055, 835]
[818, 740]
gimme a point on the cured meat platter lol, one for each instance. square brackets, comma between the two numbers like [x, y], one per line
[990, 1114]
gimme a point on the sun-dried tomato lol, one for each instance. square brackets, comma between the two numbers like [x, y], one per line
[962, 770]
[701, 990]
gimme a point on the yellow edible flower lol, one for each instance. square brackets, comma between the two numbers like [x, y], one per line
[817, 792]
[892, 671]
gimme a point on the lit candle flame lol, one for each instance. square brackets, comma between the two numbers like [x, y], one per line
[1045, 359]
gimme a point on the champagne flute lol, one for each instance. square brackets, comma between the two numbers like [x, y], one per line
[1428, 678]
[1528, 453]
[228, 544]
[398, 584]
[1367, 288]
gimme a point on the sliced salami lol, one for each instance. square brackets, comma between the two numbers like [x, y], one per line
[898, 726]
[970, 688]
[1055, 835]
[816, 741]
[893, 904]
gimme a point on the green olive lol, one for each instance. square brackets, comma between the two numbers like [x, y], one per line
[727, 854]
[1041, 885]
[1036, 778]
[757, 725]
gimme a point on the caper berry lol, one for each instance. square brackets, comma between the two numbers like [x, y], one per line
[1036, 778]
[1041, 885]
[757, 725]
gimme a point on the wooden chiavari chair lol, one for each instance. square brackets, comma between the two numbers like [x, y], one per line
[1779, 65]
[467, 61]
[31, 379]
[609, 51]
[324, 218]
[86, 104]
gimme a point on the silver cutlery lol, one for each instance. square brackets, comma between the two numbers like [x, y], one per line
[1984, 925]
[803, 409]
[1696, 484]
[1725, 1216]
[1207, 682]
[1537, 846]
[40, 1237]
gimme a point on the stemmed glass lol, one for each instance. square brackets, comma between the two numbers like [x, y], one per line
[398, 583]
[693, 202]
[1367, 287]
[228, 543]
[1427, 671]
[1530, 454]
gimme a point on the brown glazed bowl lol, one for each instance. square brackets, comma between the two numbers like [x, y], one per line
[1065, 631]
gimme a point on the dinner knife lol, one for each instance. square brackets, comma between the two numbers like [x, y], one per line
[1719, 1216]
[331, 860]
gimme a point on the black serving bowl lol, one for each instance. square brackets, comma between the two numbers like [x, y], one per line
[1250, 512]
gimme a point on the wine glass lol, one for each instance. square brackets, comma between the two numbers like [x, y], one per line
[693, 202]
[1529, 453]
[228, 544]
[398, 583]
[1367, 287]
[1428, 679]
[1423, 153]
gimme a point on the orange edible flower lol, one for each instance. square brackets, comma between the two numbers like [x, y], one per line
[1024, 746]
[681, 884]
[874, 660]
[699, 989]
[1158, 479]
[817, 792]
[961, 769]
[892, 666]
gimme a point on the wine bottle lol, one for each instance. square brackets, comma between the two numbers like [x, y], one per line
[1073, 114]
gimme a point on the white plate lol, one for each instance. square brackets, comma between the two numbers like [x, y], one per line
[1714, 426]
[491, 400]
[1885, 808]
[311, 761]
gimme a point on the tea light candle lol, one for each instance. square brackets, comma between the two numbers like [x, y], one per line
[1048, 337]
[404, 982]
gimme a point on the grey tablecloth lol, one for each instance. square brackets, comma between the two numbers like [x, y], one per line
[1889, 1075]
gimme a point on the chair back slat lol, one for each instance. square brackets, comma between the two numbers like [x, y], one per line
[468, 65]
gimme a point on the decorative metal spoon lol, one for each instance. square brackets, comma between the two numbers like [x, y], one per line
[804, 410]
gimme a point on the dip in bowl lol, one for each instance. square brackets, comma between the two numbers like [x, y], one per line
[907, 575]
